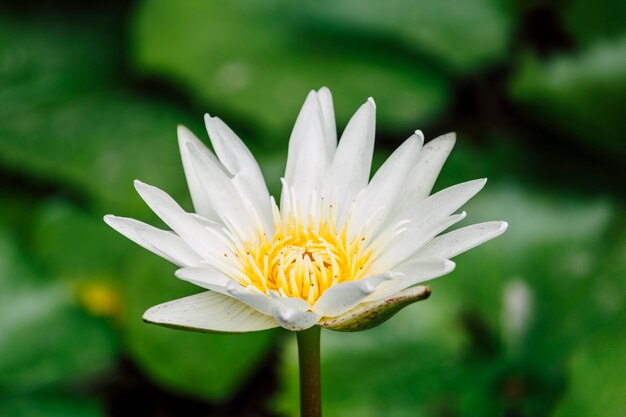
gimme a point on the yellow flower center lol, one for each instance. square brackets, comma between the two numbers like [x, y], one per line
[303, 261]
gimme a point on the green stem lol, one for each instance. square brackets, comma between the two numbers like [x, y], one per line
[310, 384]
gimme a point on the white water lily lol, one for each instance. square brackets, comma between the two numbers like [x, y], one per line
[335, 247]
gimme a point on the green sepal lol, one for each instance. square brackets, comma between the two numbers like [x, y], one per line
[368, 315]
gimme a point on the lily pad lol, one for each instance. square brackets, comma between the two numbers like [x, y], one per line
[206, 365]
[597, 381]
[45, 339]
[50, 406]
[592, 21]
[581, 94]
[462, 36]
[242, 60]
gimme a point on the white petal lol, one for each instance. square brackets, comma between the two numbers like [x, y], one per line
[290, 313]
[251, 296]
[239, 161]
[224, 197]
[199, 196]
[205, 277]
[342, 297]
[414, 237]
[307, 159]
[163, 243]
[443, 203]
[350, 168]
[380, 196]
[410, 274]
[193, 233]
[458, 241]
[295, 320]
[328, 120]
[209, 312]
[424, 174]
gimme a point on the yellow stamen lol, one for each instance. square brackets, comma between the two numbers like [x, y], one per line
[303, 261]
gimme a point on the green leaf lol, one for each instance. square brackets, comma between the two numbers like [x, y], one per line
[98, 144]
[60, 231]
[597, 382]
[238, 59]
[590, 21]
[64, 121]
[464, 36]
[206, 365]
[44, 59]
[582, 94]
[44, 338]
[49, 406]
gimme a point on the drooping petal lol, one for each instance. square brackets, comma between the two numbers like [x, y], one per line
[458, 241]
[163, 243]
[251, 296]
[199, 238]
[199, 196]
[351, 165]
[295, 320]
[244, 169]
[371, 314]
[424, 173]
[209, 312]
[342, 297]
[380, 195]
[205, 277]
[291, 313]
[410, 274]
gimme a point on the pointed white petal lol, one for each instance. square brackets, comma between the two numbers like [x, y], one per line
[328, 120]
[209, 312]
[197, 237]
[414, 237]
[458, 241]
[444, 202]
[205, 277]
[225, 198]
[200, 198]
[307, 159]
[382, 192]
[350, 168]
[244, 169]
[425, 172]
[342, 297]
[410, 274]
[163, 243]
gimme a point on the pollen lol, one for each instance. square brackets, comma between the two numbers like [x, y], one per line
[302, 260]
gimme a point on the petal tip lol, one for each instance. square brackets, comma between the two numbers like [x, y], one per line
[323, 89]
[139, 185]
[448, 266]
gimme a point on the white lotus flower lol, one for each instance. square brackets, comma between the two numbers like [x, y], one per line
[339, 250]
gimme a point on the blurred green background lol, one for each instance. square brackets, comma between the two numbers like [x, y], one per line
[532, 324]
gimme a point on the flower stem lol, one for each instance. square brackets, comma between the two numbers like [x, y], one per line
[310, 384]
